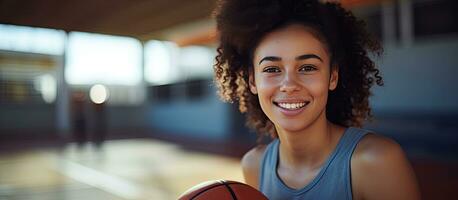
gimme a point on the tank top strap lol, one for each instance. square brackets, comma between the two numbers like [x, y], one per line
[268, 159]
[339, 172]
[349, 141]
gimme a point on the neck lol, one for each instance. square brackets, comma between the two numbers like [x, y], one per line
[310, 147]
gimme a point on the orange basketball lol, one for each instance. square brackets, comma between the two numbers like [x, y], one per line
[222, 190]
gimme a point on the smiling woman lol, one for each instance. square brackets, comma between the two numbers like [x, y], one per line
[300, 69]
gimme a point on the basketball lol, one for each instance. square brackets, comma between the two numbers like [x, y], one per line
[222, 190]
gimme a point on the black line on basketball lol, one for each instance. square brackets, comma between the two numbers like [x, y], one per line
[207, 190]
[230, 190]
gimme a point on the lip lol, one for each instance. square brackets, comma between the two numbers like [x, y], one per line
[288, 112]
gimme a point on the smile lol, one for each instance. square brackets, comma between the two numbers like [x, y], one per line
[291, 106]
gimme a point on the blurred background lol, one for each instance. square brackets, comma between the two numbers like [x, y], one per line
[115, 99]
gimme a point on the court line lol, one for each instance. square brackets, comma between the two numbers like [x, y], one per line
[111, 184]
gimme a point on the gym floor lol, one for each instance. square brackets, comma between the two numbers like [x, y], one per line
[120, 170]
[149, 168]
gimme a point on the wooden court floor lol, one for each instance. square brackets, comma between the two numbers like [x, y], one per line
[138, 169]
[120, 170]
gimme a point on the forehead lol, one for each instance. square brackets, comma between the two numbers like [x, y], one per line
[291, 41]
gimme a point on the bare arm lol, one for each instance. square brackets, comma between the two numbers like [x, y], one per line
[251, 162]
[380, 170]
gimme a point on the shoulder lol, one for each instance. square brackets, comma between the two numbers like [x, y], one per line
[251, 162]
[380, 169]
[373, 149]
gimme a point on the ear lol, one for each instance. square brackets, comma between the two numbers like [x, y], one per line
[252, 83]
[334, 79]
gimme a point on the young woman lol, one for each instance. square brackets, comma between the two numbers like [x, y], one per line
[300, 71]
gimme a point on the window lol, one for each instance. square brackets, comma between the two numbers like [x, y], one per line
[166, 63]
[29, 58]
[177, 72]
[31, 40]
[160, 63]
[103, 59]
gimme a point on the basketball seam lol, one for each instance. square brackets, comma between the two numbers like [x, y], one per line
[196, 195]
[234, 197]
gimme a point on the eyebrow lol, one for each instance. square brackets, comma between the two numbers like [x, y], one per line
[301, 57]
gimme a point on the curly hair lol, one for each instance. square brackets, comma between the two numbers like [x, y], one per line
[241, 25]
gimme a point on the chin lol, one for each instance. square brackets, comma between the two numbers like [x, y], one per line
[292, 126]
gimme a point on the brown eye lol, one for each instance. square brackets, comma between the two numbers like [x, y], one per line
[271, 70]
[307, 68]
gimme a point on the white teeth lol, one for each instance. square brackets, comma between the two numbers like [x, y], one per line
[292, 106]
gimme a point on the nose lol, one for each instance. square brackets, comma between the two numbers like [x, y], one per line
[289, 83]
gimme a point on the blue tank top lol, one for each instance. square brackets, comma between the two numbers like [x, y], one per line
[332, 182]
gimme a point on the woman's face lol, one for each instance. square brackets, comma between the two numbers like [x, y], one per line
[292, 76]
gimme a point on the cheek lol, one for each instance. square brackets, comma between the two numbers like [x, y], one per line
[317, 86]
[265, 84]
[266, 88]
